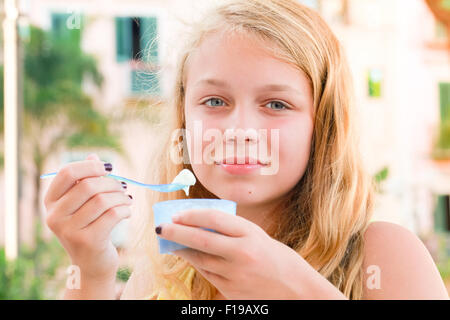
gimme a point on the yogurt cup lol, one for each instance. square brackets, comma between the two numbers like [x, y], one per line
[163, 212]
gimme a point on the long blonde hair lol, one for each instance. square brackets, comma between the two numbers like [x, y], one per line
[325, 215]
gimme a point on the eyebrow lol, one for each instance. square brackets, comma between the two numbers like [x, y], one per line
[268, 87]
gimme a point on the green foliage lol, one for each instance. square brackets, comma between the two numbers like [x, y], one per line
[31, 275]
[374, 83]
[2, 119]
[444, 135]
[442, 146]
[54, 69]
[442, 254]
[123, 274]
[444, 269]
[379, 177]
[382, 175]
[445, 4]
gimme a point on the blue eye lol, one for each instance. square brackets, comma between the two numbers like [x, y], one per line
[279, 104]
[214, 100]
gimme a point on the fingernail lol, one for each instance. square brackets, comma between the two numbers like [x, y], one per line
[108, 167]
[124, 184]
[158, 230]
[130, 196]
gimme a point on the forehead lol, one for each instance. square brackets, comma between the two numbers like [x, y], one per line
[242, 59]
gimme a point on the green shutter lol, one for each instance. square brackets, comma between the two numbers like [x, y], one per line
[59, 23]
[440, 214]
[64, 27]
[444, 96]
[123, 38]
[148, 38]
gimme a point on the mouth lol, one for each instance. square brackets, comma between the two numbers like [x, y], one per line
[242, 161]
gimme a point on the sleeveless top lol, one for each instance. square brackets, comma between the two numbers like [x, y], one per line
[186, 276]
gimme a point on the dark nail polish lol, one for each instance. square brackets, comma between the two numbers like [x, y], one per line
[130, 196]
[108, 167]
[124, 184]
[158, 230]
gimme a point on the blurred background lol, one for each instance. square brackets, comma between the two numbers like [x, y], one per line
[92, 76]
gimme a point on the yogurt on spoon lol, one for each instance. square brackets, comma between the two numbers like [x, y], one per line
[185, 177]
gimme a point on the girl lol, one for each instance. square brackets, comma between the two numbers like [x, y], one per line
[301, 232]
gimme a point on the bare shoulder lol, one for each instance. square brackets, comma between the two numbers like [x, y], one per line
[397, 265]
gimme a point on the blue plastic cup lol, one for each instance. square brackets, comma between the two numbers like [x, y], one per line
[163, 212]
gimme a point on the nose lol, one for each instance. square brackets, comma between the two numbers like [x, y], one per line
[247, 135]
[241, 125]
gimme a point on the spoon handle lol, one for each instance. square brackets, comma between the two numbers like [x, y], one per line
[157, 187]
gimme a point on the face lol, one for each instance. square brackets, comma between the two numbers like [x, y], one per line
[236, 91]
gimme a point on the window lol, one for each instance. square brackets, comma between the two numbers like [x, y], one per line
[123, 39]
[442, 214]
[59, 22]
[145, 82]
[136, 39]
[148, 40]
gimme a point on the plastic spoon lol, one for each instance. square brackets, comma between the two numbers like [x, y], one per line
[182, 181]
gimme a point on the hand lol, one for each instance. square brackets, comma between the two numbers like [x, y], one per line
[82, 209]
[243, 261]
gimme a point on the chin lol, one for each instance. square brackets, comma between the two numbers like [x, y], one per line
[242, 196]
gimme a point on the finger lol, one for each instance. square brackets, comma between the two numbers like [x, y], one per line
[196, 238]
[93, 156]
[103, 226]
[96, 206]
[88, 188]
[72, 172]
[217, 279]
[205, 261]
[227, 224]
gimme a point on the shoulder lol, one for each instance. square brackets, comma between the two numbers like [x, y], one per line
[382, 232]
[397, 265]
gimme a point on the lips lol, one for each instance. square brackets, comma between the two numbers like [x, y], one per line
[242, 161]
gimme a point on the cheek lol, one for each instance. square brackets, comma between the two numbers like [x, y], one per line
[294, 149]
[295, 145]
[201, 139]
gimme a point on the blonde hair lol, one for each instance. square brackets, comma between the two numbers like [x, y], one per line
[326, 214]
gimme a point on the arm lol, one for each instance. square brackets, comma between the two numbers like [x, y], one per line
[138, 287]
[314, 286]
[90, 289]
[128, 292]
[406, 268]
